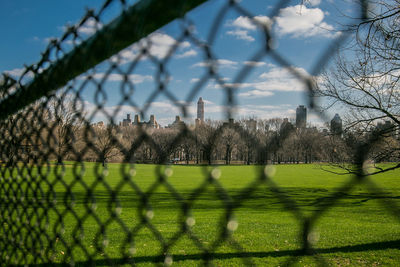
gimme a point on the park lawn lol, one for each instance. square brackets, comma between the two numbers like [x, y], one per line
[360, 228]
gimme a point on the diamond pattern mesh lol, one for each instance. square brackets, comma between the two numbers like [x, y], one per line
[58, 207]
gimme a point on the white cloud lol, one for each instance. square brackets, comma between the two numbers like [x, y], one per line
[301, 21]
[115, 77]
[256, 93]
[297, 21]
[266, 111]
[241, 34]
[242, 25]
[275, 79]
[281, 73]
[90, 27]
[234, 85]
[162, 43]
[189, 53]
[194, 80]
[254, 63]
[278, 79]
[201, 64]
[222, 63]
[263, 20]
[226, 62]
[129, 54]
[165, 106]
[157, 45]
[250, 24]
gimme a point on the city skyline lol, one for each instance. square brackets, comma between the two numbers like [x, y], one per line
[211, 132]
[269, 91]
[335, 125]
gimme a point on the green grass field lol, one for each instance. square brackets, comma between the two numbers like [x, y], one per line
[357, 231]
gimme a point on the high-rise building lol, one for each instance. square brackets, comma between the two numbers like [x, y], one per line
[127, 121]
[178, 123]
[137, 120]
[200, 109]
[301, 116]
[152, 123]
[336, 125]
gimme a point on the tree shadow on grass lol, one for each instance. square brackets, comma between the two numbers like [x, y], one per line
[395, 244]
[260, 198]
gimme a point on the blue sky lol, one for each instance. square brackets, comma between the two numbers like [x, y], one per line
[301, 32]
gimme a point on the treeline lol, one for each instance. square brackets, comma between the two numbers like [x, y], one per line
[61, 134]
[275, 141]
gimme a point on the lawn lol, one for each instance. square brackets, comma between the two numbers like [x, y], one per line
[361, 228]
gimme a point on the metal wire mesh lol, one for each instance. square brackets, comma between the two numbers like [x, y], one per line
[45, 126]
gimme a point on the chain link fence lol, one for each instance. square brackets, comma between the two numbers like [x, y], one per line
[49, 202]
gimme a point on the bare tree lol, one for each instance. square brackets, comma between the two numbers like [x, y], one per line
[66, 123]
[188, 145]
[226, 142]
[105, 141]
[204, 140]
[365, 76]
[163, 141]
[24, 133]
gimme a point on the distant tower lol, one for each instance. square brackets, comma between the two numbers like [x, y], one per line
[152, 120]
[137, 120]
[336, 125]
[178, 123]
[200, 109]
[127, 121]
[301, 116]
[152, 123]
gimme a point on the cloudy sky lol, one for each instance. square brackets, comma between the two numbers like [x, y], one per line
[302, 30]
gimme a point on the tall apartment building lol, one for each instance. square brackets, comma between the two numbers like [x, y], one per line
[336, 125]
[127, 121]
[200, 109]
[301, 116]
[152, 123]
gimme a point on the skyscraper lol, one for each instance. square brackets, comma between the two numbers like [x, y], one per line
[127, 121]
[301, 116]
[200, 109]
[336, 125]
[137, 120]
